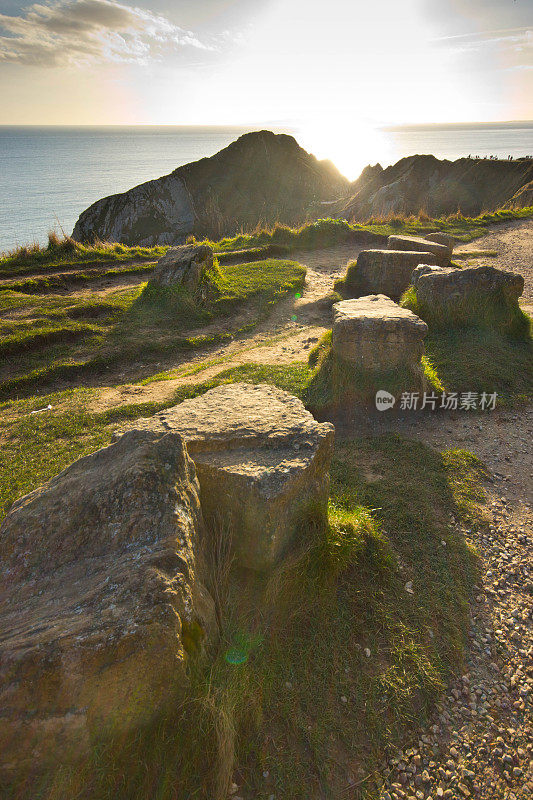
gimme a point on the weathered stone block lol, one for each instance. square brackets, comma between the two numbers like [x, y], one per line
[441, 238]
[183, 266]
[377, 336]
[100, 594]
[262, 461]
[383, 272]
[441, 253]
[470, 295]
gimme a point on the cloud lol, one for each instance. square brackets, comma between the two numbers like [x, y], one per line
[80, 32]
[507, 49]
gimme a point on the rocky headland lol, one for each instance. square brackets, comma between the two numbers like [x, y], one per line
[264, 178]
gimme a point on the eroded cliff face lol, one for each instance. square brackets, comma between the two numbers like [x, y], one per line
[438, 187]
[260, 178]
[264, 178]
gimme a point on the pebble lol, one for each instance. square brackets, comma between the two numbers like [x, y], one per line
[480, 743]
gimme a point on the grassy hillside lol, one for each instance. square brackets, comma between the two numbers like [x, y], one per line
[46, 336]
[62, 254]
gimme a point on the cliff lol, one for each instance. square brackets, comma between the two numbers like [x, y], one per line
[262, 177]
[439, 187]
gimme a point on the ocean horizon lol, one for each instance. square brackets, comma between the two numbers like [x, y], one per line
[50, 174]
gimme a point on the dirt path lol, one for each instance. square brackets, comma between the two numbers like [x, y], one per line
[293, 327]
[282, 339]
[514, 243]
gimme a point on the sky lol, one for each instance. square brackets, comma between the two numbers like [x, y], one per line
[323, 65]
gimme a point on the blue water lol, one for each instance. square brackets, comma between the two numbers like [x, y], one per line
[48, 176]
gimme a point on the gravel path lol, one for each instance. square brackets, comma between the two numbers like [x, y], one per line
[480, 743]
[514, 243]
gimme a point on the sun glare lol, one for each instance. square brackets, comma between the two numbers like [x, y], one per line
[350, 144]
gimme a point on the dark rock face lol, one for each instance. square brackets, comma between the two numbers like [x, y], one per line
[523, 198]
[260, 178]
[439, 187]
[264, 178]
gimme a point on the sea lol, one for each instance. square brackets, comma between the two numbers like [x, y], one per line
[49, 175]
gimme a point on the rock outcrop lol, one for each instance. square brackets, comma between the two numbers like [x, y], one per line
[377, 336]
[262, 177]
[385, 272]
[262, 461]
[101, 599]
[441, 253]
[469, 296]
[423, 182]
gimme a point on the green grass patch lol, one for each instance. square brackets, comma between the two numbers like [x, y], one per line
[482, 360]
[328, 232]
[56, 337]
[64, 252]
[465, 255]
[35, 447]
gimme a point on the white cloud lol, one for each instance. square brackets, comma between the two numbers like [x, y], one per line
[80, 32]
[507, 49]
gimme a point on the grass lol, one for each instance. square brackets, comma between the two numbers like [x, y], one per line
[327, 232]
[55, 337]
[76, 278]
[465, 255]
[481, 360]
[61, 252]
[64, 252]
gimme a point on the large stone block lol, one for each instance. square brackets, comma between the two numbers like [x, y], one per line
[101, 597]
[383, 272]
[262, 461]
[183, 266]
[441, 254]
[469, 295]
[378, 336]
[441, 238]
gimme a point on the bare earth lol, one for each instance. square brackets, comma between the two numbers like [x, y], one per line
[480, 743]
